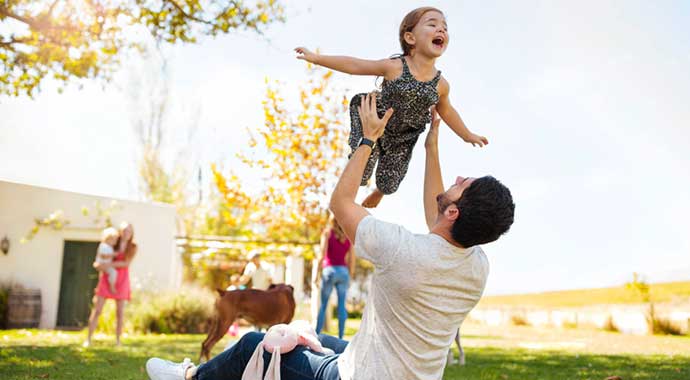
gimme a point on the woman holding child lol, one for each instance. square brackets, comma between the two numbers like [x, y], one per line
[124, 251]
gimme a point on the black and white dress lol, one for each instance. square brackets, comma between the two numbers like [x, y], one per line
[410, 100]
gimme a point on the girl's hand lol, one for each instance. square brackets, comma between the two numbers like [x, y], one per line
[306, 54]
[477, 140]
[431, 141]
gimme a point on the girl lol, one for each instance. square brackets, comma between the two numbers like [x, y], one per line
[411, 85]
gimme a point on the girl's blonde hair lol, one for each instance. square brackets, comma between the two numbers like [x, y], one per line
[409, 22]
[108, 233]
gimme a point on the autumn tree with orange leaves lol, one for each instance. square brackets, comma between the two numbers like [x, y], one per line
[301, 155]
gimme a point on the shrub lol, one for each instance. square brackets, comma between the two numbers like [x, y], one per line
[609, 325]
[186, 310]
[570, 325]
[665, 327]
[661, 326]
[355, 309]
[519, 320]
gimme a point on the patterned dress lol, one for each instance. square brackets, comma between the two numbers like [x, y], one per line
[411, 100]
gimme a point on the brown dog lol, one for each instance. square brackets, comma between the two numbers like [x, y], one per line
[262, 308]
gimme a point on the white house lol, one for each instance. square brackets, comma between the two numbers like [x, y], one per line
[59, 262]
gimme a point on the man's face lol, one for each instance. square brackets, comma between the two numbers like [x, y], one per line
[453, 194]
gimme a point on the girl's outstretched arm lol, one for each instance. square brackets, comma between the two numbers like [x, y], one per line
[451, 117]
[348, 65]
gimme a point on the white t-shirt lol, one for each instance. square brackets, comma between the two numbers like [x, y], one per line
[421, 291]
[106, 250]
[261, 278]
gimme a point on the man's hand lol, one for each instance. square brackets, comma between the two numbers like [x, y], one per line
[372, 126]
[431, 141]
[306, 54]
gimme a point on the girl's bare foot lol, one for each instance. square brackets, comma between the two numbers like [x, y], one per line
[373, 199]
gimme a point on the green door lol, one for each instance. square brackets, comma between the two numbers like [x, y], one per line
[77, 283]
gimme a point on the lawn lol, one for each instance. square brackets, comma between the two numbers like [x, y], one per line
[513, 353]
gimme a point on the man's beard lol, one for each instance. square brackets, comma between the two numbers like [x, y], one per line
[443, 202]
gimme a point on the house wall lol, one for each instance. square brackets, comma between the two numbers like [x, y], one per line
[38, 262]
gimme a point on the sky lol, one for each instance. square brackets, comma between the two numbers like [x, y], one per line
[585, 105]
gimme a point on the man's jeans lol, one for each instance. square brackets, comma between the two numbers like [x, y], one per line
[298, 364]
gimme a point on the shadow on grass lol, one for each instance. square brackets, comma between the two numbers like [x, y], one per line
[503, 364]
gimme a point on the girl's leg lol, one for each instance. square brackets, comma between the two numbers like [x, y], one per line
[341, 286]
[112, 280]
[120, 317]
[392, 168]
[98, 303]
[373, 199]
[326, 289]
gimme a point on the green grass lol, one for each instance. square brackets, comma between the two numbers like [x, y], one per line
[662, 292]
[491, 363]
[36, 354]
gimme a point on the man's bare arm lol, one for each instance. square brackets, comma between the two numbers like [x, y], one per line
[433, 183]
[346, 211]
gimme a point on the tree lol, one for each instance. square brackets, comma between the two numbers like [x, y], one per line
[235, 211]
[639, 287]
[301, 155]
[162, 177]
[76, 39]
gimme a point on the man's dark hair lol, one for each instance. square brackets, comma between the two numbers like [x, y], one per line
[486, 212]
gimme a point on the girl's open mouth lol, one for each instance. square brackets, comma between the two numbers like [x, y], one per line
[438, 42]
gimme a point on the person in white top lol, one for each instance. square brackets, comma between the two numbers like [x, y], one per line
[257, 272]
[423, 284]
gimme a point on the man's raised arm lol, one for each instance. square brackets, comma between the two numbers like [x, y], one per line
[433, 184]
[346, 211]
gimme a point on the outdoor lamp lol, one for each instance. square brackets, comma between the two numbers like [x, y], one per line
[5, 245]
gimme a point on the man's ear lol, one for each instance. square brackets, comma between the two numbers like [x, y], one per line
[452, 213]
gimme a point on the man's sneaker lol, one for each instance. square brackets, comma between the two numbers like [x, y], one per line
[159, 369]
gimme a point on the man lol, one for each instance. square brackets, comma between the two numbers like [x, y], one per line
[257, 272]
[422, 288]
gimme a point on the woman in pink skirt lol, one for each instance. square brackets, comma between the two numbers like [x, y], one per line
[125, 250]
